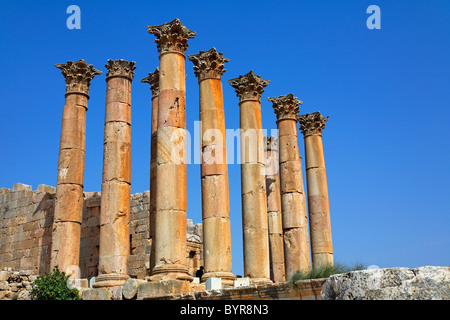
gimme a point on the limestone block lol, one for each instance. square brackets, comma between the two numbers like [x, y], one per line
[172, 74]
[161, 288]
[172, 108]
[118, 111]
[169, 188]
[291, 178]
[294, 213]
[115, 203]
[253, 179]
[130, 288]
[77, 100]
[423, 283]
[171, 145]
[117, 93]
[71, 166]
[217, 237]
[66, 245]
[241, 282]
[314, 150]
[73, 128]
[69, 203]
[215, 196]
[317, 181]
[171, 234]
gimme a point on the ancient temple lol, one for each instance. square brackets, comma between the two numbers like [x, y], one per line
[117, 237]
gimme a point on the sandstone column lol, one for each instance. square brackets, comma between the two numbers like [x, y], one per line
[311, 125]
[153, 80]
[67, 218]
[249, 88]
[114, 246]
[170, 201]
[274, 219]
[209, 68]
[293, 204]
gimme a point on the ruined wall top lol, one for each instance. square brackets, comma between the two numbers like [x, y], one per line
[78, 76]
[209, 64]
[171, 36]
[249, 86]
[312, 123]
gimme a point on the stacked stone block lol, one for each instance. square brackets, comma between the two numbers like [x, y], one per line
[26, 218]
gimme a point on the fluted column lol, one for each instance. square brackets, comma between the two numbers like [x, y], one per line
[249, 88]
[209, 68]
[114, 245]
[311, 125]
[276, 247]
[293, 204]
[170, 198]
[153, 80]
[67, 218]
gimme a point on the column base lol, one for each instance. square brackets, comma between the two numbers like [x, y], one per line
[260, 281]
[227, 277]
[110, 280]
[170, 272]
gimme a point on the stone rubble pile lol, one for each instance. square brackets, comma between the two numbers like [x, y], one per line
[16, 285]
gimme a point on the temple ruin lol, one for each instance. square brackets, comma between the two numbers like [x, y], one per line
[112, 239]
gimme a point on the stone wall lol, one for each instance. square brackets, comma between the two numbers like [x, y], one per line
[26, 218]
[16, 285]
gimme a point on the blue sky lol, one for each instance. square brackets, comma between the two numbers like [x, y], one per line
[386, 92]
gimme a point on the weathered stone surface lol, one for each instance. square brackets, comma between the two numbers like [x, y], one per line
[423, 283]
[130, 288]
[159, 288]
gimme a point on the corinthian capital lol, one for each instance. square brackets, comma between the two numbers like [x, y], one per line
[285, 107]
[312, 123]
[249, 86]
[120, 68]
[153, 80]
[171, 36]
[78, 76]
[208, 64]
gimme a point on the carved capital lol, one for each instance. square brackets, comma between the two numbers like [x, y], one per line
[120, 68]
[208, 64]
[171, 36]
[249, 86]
[78, 76]
[312, 123]
[271, 143]
[285, 107]
[153, 80]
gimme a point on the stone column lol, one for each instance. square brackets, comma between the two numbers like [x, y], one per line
[249, 88]
[311, 125]
[67, 218]
[293, 204]
[114, 246]
[276, 247]
[209, 68]
[170, 201]
[153, 80]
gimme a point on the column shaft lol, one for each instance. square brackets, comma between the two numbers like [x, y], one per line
[68, 212]
[249, 88]
[274, 218]
[114, 245]
[170, 170]
[293, 202]
[295, 223]
[318, 203]
[153, 80]
[208, 67]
